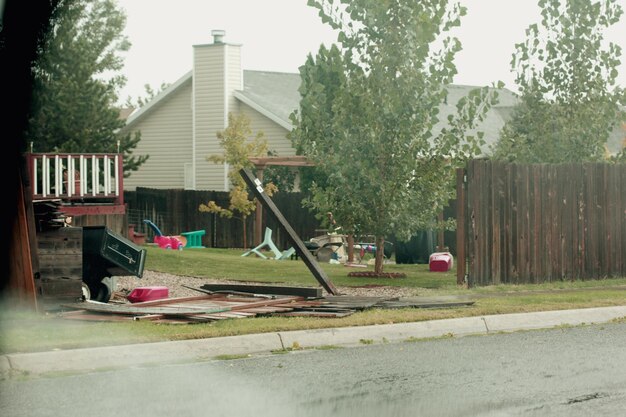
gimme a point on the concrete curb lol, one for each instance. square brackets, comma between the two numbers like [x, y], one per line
[111, 357]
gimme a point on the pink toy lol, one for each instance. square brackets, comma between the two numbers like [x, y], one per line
[164, 242]
[168, 242]
[140, 294]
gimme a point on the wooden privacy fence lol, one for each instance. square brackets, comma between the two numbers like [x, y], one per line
[539, 223]
[176, 211]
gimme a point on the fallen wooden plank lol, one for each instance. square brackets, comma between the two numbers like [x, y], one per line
[132, 310]
[307, 292]
[256, 186]
[404, 304]
[304, 313]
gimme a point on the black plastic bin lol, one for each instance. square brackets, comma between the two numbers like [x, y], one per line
[106, 254]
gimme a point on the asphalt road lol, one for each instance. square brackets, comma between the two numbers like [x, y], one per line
[563, 372]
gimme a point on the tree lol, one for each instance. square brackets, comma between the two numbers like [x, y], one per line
[237, 149]
[75, 83]
[150, 94]
[369, 115]
[567, 80]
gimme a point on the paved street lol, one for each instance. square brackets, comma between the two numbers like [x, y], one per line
[577, 371]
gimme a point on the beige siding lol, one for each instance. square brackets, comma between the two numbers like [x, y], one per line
[165, 136]
[209, 116]
[275, 134]
[235, 76]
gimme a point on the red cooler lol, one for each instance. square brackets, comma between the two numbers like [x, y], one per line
[440, 262]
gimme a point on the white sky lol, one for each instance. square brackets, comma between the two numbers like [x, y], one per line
[277, 35]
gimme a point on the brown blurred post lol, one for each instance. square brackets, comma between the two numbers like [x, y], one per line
[258, 219]
[461, 197]
[21, 278]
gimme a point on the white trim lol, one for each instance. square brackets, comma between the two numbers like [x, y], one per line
[225, 103]
[241, 97]
[35, 179]
[70, 174]
[107, 176]
[58, 183]
[225, 74]
[83, 175]
[193, 123]
[95, 177]
[117, 171]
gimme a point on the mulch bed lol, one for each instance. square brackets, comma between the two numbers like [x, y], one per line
[372, 274]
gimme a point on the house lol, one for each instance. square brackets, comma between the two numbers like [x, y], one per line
[178, 127]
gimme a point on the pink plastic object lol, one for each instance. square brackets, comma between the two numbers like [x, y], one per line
[140, 294]
[440, 262]
[168, 242]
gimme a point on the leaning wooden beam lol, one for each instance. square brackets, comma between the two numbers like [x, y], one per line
[257, 189]
[265, 289]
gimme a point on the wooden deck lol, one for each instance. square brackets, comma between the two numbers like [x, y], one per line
[97, 186]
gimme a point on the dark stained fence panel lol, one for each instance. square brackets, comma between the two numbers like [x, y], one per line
[544, 222]
[177, 211]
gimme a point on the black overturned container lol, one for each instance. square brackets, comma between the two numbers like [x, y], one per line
[106, 254]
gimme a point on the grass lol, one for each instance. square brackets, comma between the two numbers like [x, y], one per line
[228, 264]
[28, 332]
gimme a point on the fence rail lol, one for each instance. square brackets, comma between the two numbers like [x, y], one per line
[544, 222]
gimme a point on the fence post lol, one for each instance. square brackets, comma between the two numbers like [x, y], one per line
[461, 226]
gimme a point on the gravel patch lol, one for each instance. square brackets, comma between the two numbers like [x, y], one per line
[175, 284]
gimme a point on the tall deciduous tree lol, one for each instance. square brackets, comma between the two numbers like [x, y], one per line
[238, 146]
[566, 76]
[76, 82]
[369, 116]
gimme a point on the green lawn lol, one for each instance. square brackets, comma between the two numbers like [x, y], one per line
[26, 332]
[228, 264]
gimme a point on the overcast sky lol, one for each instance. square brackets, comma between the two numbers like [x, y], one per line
[277, 35]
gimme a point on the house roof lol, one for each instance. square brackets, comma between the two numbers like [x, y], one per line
[276, 96]
[125, 112]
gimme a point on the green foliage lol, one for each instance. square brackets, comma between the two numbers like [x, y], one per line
[369, 115]
[566, 76]
[237, 149]
[76, 83]
[284, 177]
[150, 94]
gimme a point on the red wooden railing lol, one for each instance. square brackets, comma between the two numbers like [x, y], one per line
[97, 180]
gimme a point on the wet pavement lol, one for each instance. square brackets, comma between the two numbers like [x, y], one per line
[568, 371]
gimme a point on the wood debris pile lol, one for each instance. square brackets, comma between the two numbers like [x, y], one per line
[238, 301]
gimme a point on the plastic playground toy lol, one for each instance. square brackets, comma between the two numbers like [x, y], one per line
[165, 242]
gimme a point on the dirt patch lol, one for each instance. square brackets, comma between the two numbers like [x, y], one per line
[176, 285]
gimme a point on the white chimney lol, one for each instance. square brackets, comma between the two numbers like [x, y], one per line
[218, 35]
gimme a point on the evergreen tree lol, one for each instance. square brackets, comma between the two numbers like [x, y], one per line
[76, 83]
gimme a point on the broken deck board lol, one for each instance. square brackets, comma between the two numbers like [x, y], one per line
[307, 292]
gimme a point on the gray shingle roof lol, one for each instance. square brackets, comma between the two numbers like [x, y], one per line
[275, 94]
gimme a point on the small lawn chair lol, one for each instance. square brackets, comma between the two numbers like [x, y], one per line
[267, 242]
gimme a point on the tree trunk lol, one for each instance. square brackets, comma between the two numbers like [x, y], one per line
[350, 248]
[245, 235]
[380, 253]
